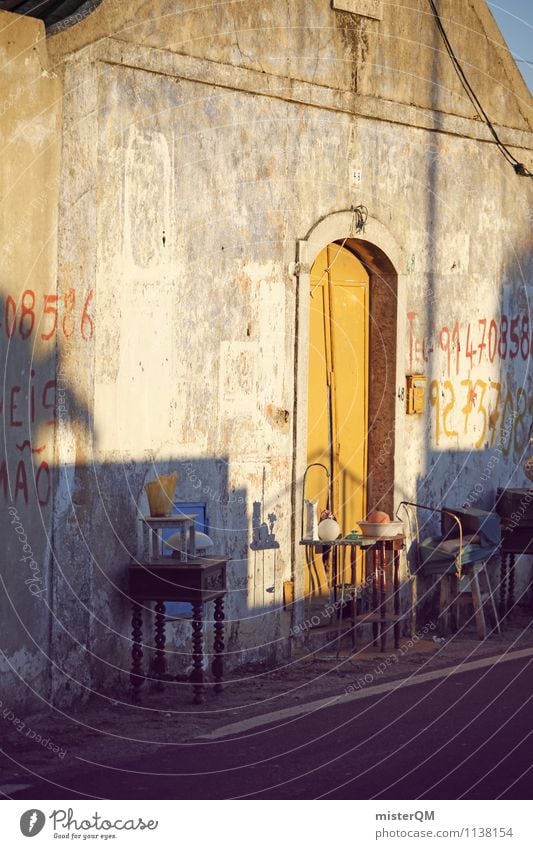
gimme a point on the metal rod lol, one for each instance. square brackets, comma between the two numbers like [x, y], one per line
[405, 504]
[310, 466]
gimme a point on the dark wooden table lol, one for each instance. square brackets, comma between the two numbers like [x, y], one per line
[197, 582]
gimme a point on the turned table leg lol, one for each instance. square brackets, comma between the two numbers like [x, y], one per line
[160, 664]
[396, 590]
[197, 674]
[510, 596]
[218, 662]
[445, 591]
[136, 674]
[503, 585]
[383, 599]
[454, 602]
[375, 594]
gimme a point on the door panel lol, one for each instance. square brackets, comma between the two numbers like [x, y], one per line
[338, 385]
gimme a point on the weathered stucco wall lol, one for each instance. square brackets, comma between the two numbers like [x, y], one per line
[200, 194]
[185, 188]
[30, 110]
[400, 58]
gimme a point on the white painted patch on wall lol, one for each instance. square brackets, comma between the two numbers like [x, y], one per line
[148, 180]
[238, 378]
[271, 317]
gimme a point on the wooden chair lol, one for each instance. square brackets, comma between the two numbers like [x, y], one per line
[455, 591]
[458, 564]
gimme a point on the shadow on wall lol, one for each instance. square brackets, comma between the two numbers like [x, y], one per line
[108, 521]
[70, 528]
[472, 337]
[31, 401]
[69, 611]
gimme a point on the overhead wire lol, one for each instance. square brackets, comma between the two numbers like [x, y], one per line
[518, 166]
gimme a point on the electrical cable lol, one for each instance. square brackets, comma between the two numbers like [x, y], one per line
[519, 167]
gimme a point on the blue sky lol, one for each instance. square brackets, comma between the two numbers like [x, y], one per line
[515, 19]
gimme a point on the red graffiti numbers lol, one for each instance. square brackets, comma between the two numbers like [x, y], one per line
[27, 313]
[87, 327]
[41, 313]
[508, 338]
[502, 347]
[493, 340]
[68, 318]
[456, 346]
[10, 317]
[469, 349]
[444, 341]
[525, 339]
[482, 345]
[50, 308]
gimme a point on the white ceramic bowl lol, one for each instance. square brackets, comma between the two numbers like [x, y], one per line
[201, 543]
[381, 530]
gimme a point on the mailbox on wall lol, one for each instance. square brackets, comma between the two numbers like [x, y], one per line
[416, 393]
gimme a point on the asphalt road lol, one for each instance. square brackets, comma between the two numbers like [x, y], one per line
[465, 736]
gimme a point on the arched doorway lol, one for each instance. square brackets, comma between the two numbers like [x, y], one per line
[369, 298]
[337, 409]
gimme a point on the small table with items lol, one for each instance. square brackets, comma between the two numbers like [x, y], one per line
[182, 577]
[383, 573]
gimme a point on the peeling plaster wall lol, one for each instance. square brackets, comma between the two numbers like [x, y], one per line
[398, 58]
[190, 364]
[199, 194]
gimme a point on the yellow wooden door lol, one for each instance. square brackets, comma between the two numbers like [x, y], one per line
[338, 382]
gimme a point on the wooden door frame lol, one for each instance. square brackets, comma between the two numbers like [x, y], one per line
[383, 257]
